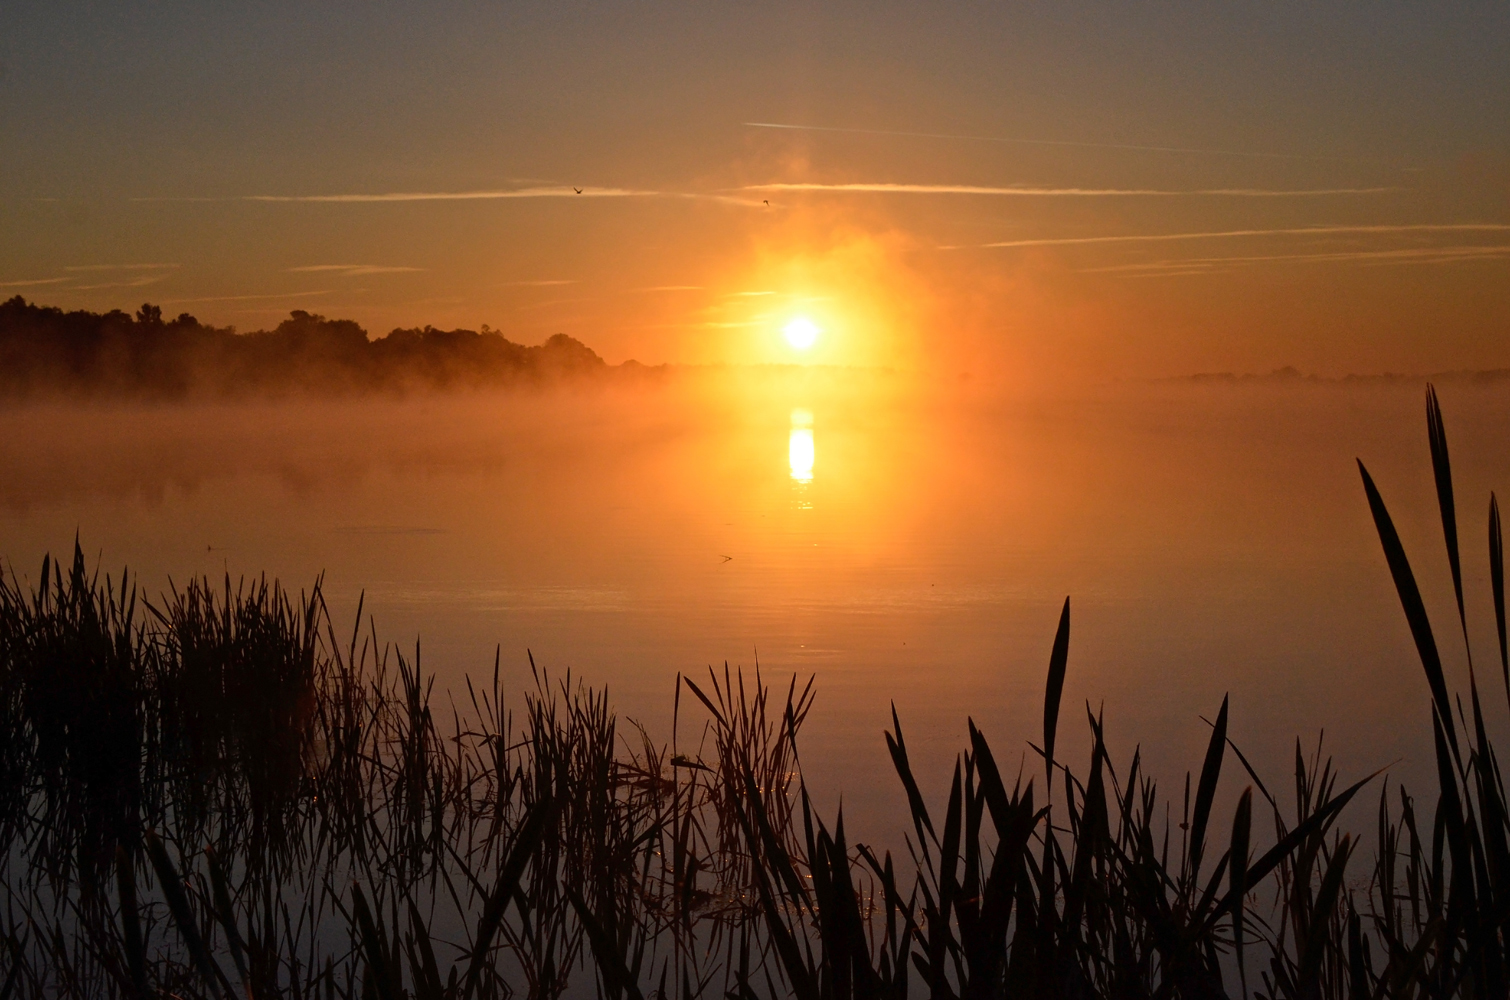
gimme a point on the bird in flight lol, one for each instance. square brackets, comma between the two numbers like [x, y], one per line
[727, 558]
[766, 202]
[577, 189]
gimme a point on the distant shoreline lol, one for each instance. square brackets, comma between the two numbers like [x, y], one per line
[45, 351]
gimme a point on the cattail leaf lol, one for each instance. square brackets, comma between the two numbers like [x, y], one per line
[1497, 583]
[1242, 826]
[1059, 658]
[1441, 467]
[898, 749]
[1415, 609]
[1211, 771]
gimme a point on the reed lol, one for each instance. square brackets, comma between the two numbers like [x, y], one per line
[215, 795]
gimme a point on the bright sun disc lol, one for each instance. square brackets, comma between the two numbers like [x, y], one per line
[801, 333]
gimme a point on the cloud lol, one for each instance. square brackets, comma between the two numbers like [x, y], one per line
[531, 192]
[670, 288]
[1464, 227]
[353, 270]
[1059, 142]
[27, 283]
[150, 279]
[1057, 192]
[711, 325]
[121, 267]
[495, 195]
[539, 284]
[1411, 255]
[248, 298]
[549, 302]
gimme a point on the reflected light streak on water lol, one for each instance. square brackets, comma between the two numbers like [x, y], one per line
[800, 454]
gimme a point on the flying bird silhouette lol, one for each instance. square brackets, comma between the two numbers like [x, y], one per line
[727, 558]
[765, 202]
[577, 189]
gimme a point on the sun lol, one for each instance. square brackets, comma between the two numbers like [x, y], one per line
[801, 333]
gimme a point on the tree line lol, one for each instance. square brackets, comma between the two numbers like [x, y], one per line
[45, 350]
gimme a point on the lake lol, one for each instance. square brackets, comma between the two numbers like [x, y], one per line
[901, 540]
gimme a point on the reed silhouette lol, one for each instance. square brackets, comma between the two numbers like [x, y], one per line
[214, 795]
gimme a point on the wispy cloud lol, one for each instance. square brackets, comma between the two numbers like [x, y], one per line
[81, 269]
[710, 325]
[1059, 142]
[251, 298]
[28, 282]
[671, 288]
[122, 267]
[546, 283]
[1063, 192]
[554, 191]
[530, 192]
[1410, 255]
[548, 302]
[1464, 227]
[150, 279]
[747, 295]
[353, 270]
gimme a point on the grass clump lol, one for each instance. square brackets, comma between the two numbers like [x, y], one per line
[214, 795]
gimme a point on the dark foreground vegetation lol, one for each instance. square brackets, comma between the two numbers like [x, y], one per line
[45, 350]
[214, 795]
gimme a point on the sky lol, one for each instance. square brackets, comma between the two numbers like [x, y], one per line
[1034, 192]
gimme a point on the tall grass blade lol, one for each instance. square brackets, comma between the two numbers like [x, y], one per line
[1211, 771]
[1497, 582]
[898, 749]
[1059, 659]
[1441, 467]
[1242, 826]
[1415, 608]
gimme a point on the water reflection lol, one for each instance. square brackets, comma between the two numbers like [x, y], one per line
[800, 451]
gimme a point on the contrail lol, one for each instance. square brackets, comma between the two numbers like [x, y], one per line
[1464, 227]
[1063, 142]
[1041, 192]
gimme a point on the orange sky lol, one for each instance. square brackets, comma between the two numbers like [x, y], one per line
[1005, 191]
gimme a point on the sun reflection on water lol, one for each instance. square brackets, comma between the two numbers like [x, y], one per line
[800, 450]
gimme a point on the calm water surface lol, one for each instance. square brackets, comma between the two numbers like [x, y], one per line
[902, 544]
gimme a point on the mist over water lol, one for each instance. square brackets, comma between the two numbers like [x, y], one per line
[902, 542]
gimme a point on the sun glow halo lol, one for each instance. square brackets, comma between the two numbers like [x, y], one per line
[801, 333]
